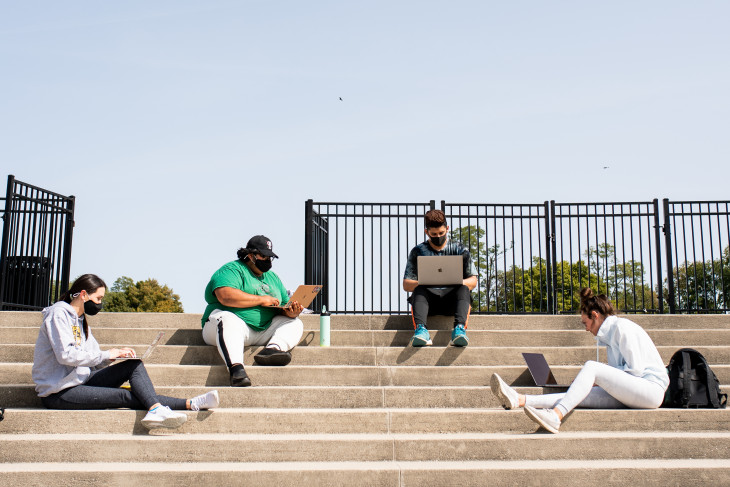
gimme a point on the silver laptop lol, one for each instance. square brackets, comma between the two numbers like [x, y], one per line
[440, 270]
[147, 352]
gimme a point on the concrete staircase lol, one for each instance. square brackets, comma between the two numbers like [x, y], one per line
[367, 411]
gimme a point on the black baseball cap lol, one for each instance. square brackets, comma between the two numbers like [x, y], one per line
[262, 245]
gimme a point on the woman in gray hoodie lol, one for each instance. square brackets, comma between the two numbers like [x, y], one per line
[71, 371]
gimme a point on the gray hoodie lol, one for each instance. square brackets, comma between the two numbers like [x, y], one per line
[63, 356]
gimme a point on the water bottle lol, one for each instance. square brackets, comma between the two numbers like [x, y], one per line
[324, 328]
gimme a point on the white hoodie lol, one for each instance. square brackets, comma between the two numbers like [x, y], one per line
[63, 356]
[631, 349]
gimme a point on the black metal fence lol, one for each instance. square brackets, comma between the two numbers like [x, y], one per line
[697, 246]
[357, 251]
[35, 255]
[614, 248]
[531, 258]
[509, 246]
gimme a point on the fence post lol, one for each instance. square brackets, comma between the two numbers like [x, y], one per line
[308, 244]
[325, 265]
[5, 238]
[670, 269]
[552, 257]
[68, 238]
[655, 201]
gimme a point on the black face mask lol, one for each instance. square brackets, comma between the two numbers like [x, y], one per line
[262, 265]
[91, 308]
[438, 241]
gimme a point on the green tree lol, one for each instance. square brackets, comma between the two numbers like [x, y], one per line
[494, 291]
[146, 296]
[703, 286]
[625, 283]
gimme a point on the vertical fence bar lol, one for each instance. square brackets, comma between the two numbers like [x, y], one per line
[7, 217]
[657, 241]
[668, 253]
[551, 252]
[308, 244]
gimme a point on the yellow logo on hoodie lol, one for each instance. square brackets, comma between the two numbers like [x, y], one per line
[76, 329]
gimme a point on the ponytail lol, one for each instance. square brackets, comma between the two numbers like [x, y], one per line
[590, 303]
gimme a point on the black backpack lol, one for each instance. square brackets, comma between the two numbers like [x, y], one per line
[692, 384]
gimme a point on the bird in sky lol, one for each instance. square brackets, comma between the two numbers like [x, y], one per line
[340, 98]
[605, 167]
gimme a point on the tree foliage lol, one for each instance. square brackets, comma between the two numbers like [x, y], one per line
[506, 287]
[703, 286]
[146, 296]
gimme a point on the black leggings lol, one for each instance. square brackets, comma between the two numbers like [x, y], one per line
[103, 391]
[456, 302]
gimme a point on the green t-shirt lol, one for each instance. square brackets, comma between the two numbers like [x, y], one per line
[237, 275]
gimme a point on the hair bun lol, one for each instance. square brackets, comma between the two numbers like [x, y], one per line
[586, 293]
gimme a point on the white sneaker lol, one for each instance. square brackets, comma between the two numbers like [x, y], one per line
[547, 418]
[205, 401]
[506, 395]
[164, 417]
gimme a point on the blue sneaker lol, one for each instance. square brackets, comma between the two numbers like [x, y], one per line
[421, 338]
[458, 337]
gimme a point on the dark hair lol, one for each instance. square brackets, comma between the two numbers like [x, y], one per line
[243, 252]
[590, 303]
[89, 283]
[435, 219]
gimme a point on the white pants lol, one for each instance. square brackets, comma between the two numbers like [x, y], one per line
[230, 334]
[613, 389]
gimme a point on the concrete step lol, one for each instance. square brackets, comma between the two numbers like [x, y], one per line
[383, 322]
[337, 375]
[651, 472]
[391, 414]
[24, 395]
[317, 447]
[391, 356]
[390, 338]
[275, 396]
[322, 420]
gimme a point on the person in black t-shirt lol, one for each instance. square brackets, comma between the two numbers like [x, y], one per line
[439, 300]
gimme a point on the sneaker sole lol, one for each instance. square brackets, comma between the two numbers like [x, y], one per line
[217, 400]
[531, 414]
[171, 423]
[497, 390]
[277, 359]
[460, 342]
[241, 382]
[420, 342]
[215, 404]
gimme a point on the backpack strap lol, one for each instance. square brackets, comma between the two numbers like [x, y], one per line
[686, 378]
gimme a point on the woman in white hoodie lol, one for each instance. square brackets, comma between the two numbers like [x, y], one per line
[71, 371]
[635, 376]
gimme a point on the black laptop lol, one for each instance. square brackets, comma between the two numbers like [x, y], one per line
[540, 371]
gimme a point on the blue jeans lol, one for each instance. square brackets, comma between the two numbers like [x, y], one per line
[102, 390]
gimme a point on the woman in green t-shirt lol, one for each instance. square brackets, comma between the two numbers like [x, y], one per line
[242, 298]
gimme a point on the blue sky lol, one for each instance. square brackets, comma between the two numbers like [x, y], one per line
[185, 127]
